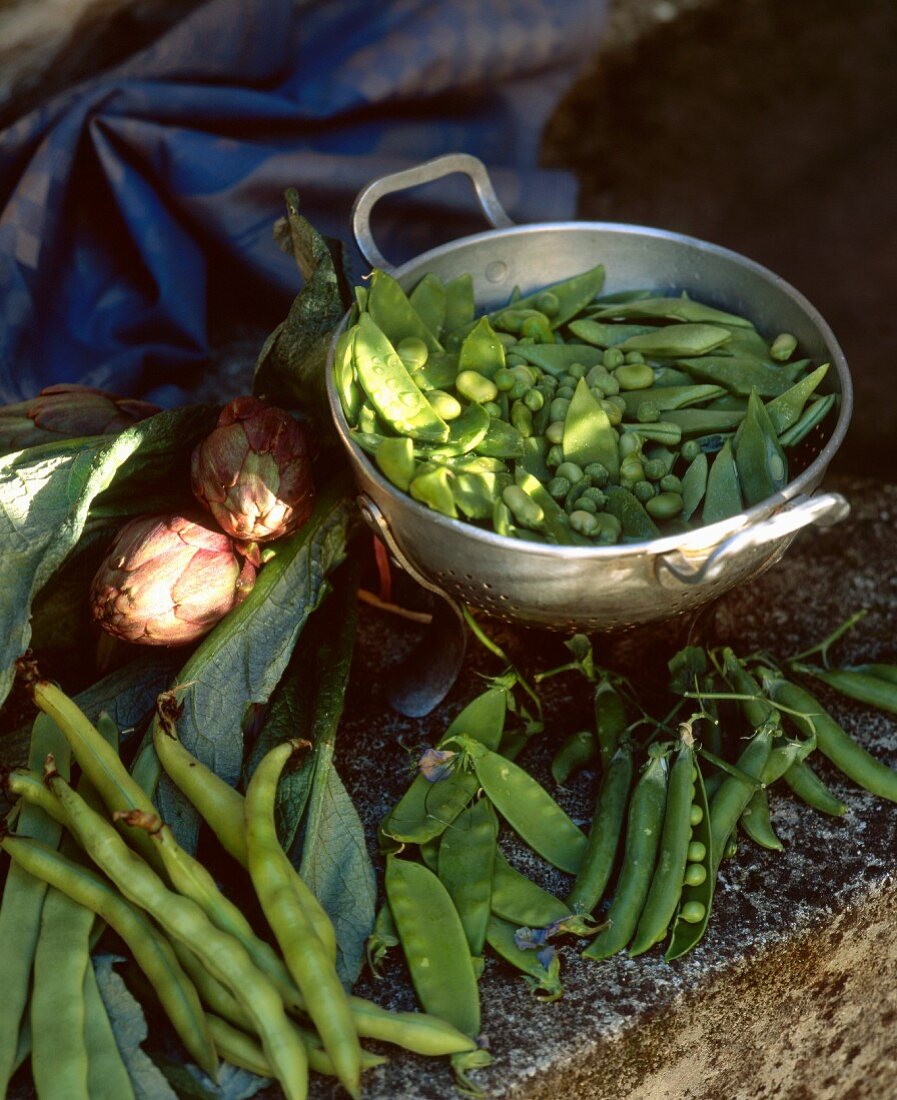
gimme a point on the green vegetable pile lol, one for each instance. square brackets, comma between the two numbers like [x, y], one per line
[569, 418]
[676, 785]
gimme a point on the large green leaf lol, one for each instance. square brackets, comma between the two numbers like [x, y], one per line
[240, 663]
[45, 495]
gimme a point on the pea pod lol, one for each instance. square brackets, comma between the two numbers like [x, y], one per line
[759, 458]
[735, 793]
[673, 309]
[466, 432]
[604, 835]
[557, 525]
[722, 498]
[502, 440]
[756, 823]
[428, 300]
[704, 422]
[476, 494]
[643, 830]
[588, 435]
[434, 944]
[521, 901]
[350, 395]
[527, 807]
[694, 485]
[390, 388]
[395, 460]
[572, 295]
[879, 671]
[666, 883]
[849, 757]
[393, 314]
[426, 809]
[544, 981]
[460, 307]
[610, 720]
[576, 751]
[675, 341]
[670, 397]
[809, 788]
[466, 859]
[812, 416]
[875, 691]
[432, 486]
[637, 525]
[696, 899]
[604, 335]
[107, 1075]
[786, 409]
[738, 375]
[482, 351]
[557, 359]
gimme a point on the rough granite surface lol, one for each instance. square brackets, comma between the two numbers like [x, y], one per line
[792, 993]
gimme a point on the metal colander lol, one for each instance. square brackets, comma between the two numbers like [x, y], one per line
[600, 588]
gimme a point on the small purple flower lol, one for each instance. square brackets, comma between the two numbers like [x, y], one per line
[436, 764]
[546, 956]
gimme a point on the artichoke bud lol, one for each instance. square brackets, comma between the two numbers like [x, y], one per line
[66, 412]
[254, 472]
[167, 580]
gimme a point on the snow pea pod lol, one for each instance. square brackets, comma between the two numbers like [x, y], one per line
[466, 859]
[572, 295]
[350, 394]
[737, 375]
[759, 458]
[675, 341]
[476, 494]
[434, 944]
[395, 460]
[391, 389]
[848, 756]
[694, 485]
[604, 335]
[812, 416]
[502, 440]
[673, 309]
[670, 397]
[428, 300]
[786, 409]
[696, 899]
[809, 788]
[557, 359]
[544, 981]
[722, 498]
[643, 830]
[875, 691]
[426, 809]
[556, 523]
[637, 525]
[705, 422]
[460, 307]
[666, 882]
[521, 901]
[466, 432]
[431, 485]
[390, 310]
[527, 807]
[604, 835]
[588, 435]
[482, 351]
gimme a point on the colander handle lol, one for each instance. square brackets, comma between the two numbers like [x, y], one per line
[824, 508]
[427, 172]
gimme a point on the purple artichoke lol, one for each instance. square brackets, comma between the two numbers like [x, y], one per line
[167, 580]
[253, 472]
[66, 412]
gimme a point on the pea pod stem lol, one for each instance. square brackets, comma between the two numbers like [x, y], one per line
[825, 645]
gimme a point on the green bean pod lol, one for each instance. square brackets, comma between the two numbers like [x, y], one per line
[734, 794]
[545, 982]
[643, 830]
[604, 836]
[696, 899]
[849, 757]
[151, 951]
[434, 944]
[666, 883]
[30, 787]
[466, 860]
[809, 788]
[528, 808]
[107, 1074]
[875, 691]
[286, 903]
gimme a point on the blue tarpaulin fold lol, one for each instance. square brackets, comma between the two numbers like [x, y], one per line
[134, 201]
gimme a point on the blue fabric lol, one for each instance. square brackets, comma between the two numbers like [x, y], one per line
[135, 201]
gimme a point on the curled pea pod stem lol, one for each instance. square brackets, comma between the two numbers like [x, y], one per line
[183, 919]
[735, 792]
[643, 829]
[545, 981]
[849, 757]
[666, 883]
[527, 807]
[809, 788]
[875, 690]
[604, 836]
[286, 903]
[699, 883]
[151, 951]
[434, 944]
[466, 860]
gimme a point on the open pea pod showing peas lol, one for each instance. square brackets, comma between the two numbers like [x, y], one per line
[699, 880]
[527, 807]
